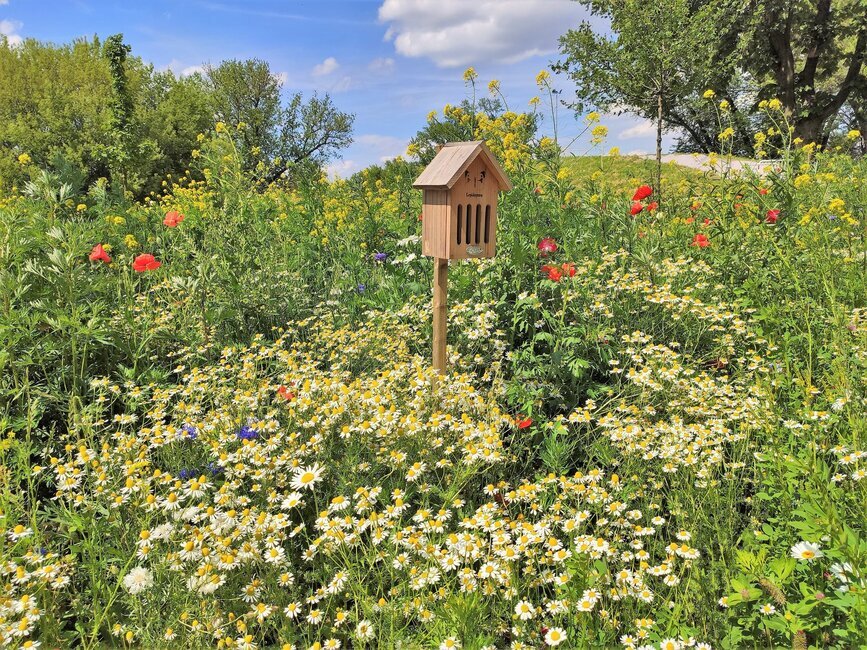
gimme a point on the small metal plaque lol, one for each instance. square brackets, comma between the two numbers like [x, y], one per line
[475, 250]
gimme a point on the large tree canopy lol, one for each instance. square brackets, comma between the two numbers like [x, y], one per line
[91, 110]
[807, 53]
[275, 136]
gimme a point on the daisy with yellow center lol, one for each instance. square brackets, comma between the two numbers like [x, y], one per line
[306, 477]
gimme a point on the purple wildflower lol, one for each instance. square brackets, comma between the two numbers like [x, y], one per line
[247, 433]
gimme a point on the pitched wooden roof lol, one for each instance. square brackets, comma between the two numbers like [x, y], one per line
[451, 161]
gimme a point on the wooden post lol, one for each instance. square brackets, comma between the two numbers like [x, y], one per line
[440, 313]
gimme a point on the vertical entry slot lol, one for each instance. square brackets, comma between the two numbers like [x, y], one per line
[467, 230]
[478, 223]
[487, 223]
[460, 222]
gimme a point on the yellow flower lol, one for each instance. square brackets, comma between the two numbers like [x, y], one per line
[854, 134]
[221, 127]
[534, 102]
[709, 94]
[592, 117]
[130, 242]
[837, 205]
[81, 207]
[599, 132]
[724, 106]
[775, 104]
[24, 159]
[802, 180]
[726, 134]
[470, 75]
[614, 151]
[493, 86]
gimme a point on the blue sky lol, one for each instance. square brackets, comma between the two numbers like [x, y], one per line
[390, 62]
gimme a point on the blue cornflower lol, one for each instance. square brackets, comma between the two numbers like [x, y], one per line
[380, 257]
[360, 288]
[247, 433]
[185, 473]
[191, 431]
[215, 469]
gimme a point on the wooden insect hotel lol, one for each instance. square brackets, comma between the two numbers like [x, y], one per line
[461, 186]
[459, 213]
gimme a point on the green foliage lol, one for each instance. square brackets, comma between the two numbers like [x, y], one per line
[680, 420]
[810, 55]
[272, 138]
[87, 111]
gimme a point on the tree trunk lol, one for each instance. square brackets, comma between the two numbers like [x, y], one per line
[809, 129]
[659, 147]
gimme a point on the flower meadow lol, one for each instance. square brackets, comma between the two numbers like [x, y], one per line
[221, 427]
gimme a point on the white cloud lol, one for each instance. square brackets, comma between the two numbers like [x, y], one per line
[182, 70]
[9, 29]
[382, 147]
[640, 130]
[341, 86]
[381, 65]
[636, 152]
[4, 2]
[328, 66]
[460, 32]
[342, 168]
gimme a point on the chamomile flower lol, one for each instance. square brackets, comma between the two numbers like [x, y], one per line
[806, 551]
[306, 477]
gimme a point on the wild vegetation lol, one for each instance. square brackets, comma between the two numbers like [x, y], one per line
[219, 426]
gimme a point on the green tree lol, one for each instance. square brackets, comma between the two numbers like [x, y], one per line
[275, 137]
[653, 59]
[172, 112]
[89, 110]
[457, 124]
[55, 107]
[118, 153]
[807, 53]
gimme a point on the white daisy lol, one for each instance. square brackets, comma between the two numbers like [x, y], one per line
[806, 551]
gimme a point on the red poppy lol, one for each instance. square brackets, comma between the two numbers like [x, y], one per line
[763, 190]
[522, 422]
[98, 254]
[420, 216]
[701, 241]
[772, 216]
[706, 221]
[652, 206]
[636, 208]
[173, 218]
[285, 393]
[689, 220]
[642, 192]
[553, 272]
[537, 191]
[547, 245]
[569, 269]
[145, 262]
